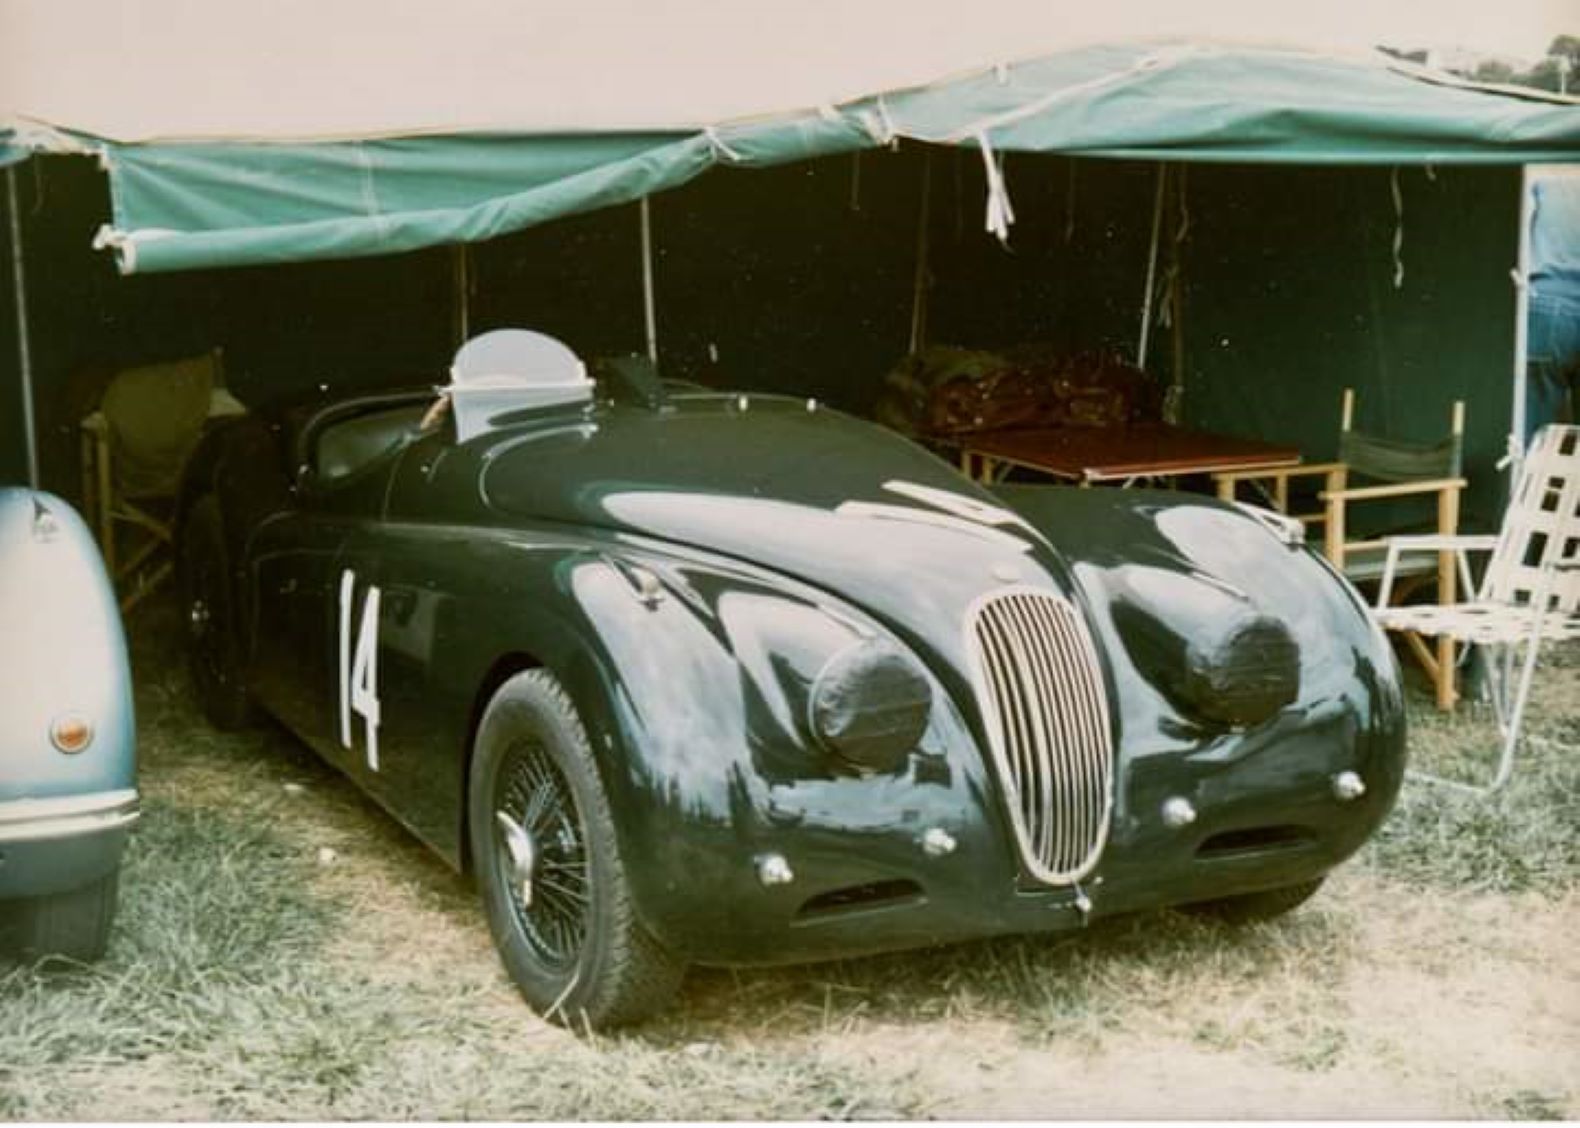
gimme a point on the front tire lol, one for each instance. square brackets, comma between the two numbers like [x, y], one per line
[74, 924]
[549, 866]
[1249, 908]
[207, 601]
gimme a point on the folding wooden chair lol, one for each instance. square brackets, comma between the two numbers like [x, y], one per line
[1373, 468]
[1529, 594]
[133, 450]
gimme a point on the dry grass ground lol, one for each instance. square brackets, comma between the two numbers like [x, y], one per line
[285, 951]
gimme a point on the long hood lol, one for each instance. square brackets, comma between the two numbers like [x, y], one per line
[813, 494]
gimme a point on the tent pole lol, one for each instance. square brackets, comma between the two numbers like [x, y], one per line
[1152, 268]
[649, 305]
[23, 346]
[919, 286]
[1522, 301]
[461, 265]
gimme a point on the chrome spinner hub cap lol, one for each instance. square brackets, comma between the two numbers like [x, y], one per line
[521, 853]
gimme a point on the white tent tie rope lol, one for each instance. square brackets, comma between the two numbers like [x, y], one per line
[1159, 60]
[890, 133]
[1000, 212]
[721, 151]
[876, 127]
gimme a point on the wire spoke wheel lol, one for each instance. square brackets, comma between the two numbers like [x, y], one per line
[213, 649]
[550, 890]
[550, 868]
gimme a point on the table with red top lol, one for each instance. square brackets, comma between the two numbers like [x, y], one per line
[1139, 451]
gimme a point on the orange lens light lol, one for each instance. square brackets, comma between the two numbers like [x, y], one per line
[71, 733]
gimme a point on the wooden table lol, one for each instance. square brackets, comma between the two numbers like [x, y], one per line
[1116, 454]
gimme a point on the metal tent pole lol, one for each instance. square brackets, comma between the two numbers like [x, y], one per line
[23, 345]
[1522, 302]
[649, 303]
[919, 284]
[1152, 268]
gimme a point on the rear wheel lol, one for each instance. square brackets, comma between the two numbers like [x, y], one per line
[75, 924]
[1248, 908]
[213, 649]
[549, 866]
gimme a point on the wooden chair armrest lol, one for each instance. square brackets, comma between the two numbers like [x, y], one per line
[1303, 470]
[1396, 489]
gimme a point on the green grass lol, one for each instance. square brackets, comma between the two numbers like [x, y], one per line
[1524, 837]
[254, 976]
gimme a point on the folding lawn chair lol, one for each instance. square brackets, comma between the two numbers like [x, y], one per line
[1529, 594]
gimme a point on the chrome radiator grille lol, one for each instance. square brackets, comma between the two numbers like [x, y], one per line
[1040, 688]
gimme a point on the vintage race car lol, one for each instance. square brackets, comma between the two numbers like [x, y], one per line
[68, 753]
[687, 677]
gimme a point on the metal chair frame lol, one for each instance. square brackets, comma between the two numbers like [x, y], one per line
[1529, 594]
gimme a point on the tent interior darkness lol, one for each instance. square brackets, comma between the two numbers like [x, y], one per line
[799, 279]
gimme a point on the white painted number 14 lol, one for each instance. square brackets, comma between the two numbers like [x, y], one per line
[359, 672]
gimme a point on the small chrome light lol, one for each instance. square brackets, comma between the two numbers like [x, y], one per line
[1178, 812]
[773, 869]
[938, 842]
[70, 733]
[648, 589]
[1348, 786]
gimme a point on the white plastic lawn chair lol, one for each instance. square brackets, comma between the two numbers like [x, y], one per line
[1530, 593]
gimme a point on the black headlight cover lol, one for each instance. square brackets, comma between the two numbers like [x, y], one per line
[870, 705]
[1208, 647]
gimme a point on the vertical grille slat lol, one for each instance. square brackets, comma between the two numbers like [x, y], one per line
[1037, 781]
[1040, 688]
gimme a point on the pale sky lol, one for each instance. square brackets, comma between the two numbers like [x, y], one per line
[138, 69]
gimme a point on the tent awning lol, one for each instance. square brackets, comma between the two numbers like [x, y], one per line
[10, 151]
[187, 205]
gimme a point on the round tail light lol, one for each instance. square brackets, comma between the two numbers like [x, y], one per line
[71, 733]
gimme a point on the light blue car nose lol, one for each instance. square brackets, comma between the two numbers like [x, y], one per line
[65, 659]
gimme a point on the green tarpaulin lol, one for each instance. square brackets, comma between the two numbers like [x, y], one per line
[181, 206]
[10, 151]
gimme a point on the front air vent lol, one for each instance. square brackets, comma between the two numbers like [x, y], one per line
[1040, 688]
[1255, 840]
[872, 895]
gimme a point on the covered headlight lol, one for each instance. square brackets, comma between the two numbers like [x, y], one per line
[1207, 646]
[870, 705]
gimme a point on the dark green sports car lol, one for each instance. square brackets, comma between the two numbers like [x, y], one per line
[685, 677]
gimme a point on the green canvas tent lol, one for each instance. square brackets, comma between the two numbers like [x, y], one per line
[436, 134]
[186, 205]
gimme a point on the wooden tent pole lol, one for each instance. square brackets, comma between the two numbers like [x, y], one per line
[1152, 267]
[919, 285]
[649, 302]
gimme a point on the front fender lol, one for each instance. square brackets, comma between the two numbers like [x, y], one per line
[705, 770]
[68, 651]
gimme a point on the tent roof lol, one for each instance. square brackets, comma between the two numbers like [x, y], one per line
[584, 121]
[141, 70]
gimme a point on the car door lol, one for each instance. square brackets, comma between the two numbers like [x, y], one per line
[304, 599]
[394, 616]
[292, 580]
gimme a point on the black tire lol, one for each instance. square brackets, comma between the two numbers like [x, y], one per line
[576, 950]
[208, 607]
[75, 924]
[1248, 908]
